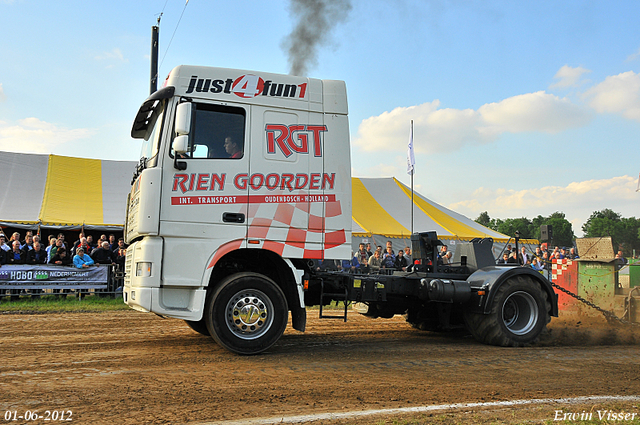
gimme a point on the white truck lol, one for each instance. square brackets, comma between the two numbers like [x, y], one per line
[245, 184]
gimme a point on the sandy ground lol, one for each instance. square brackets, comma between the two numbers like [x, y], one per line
[135, 368]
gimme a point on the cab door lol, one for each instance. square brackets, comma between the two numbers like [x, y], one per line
[204, 205]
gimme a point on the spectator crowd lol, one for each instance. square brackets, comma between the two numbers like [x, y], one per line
[365, 260]
[83, 253]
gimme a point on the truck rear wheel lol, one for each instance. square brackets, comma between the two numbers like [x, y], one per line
[247, 313]
[520, 312]
[199, 326]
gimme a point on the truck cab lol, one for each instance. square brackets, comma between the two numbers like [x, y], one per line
[242, 173]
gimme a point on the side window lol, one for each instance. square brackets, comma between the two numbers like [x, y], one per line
[217, 132]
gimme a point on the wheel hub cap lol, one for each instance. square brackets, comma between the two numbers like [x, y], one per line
[249, 314]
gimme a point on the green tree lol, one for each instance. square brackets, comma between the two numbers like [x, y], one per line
[625, 232]
[530, 229]
[510, 225]
[484, 219]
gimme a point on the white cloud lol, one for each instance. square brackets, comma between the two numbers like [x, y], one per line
[32, 135]
[568, 76]
[446, 130]
[530, 112]
[577, 200]
[114, 55]
[619, 94]
[633, 56]
[3, 97]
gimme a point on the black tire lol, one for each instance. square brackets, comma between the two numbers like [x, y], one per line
[200, 326]
[423, 319]
[520, 312]
[230, 313]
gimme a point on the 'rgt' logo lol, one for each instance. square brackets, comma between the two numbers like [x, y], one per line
[294, 138]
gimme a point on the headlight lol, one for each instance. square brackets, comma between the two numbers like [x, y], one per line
[143, 269]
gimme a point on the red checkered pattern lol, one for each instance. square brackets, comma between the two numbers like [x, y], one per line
[310, 230]
[298, 230]
[558, 266]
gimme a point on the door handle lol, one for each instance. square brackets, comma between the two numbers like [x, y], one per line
[233, 217]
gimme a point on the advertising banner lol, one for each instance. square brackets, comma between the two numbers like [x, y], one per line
[53, 277]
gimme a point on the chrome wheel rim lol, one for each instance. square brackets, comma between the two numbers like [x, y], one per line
[520, 313]
[249, 314]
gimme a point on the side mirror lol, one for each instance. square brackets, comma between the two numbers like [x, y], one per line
[183, 119]
[180, 146]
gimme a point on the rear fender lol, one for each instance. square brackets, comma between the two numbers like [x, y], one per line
[490, 279]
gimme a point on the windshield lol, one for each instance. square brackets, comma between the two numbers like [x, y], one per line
[151, 143]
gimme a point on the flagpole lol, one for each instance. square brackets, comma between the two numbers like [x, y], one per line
[412, 170]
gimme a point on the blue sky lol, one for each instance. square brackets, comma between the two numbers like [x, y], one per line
[519, 108]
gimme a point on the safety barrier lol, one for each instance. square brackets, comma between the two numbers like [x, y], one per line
[42, 279]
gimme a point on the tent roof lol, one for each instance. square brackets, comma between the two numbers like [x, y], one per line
[60, 191]
[382, 206]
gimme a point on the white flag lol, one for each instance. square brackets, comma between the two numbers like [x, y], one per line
[411, 159]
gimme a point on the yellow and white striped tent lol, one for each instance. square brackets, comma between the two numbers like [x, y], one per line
[63, 192]
[382, 209]
[55, 191]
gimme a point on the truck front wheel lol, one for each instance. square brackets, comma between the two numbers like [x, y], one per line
[520, 312]
[247, 313]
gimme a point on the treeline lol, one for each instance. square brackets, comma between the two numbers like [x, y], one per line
[625, 232]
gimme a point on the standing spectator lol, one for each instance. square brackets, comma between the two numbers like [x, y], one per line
[28, 243]
[443, 253]
[113, 245]
[61, 237]
[86, 248]
[14, 237]
[389, 259]
[120, 256]
[545, 261]
[103, 254]
[401, 262]
[573, 254]
[3, 243]
[524, 257]
[59, 244]
[389, 246]
[535, 265]
[4, 249]
[369, 252]
[37, 255]
[90, 243]
[76, 243]
[538, 252]
[504, 259]
[15, 256]
[375, 261]
[81, 259]
[61, 258]
[407, 255]
[362, 256]
[52, 243]
[620, 260]
[120, 245]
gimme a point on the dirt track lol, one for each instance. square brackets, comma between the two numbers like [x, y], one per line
[129, 368]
